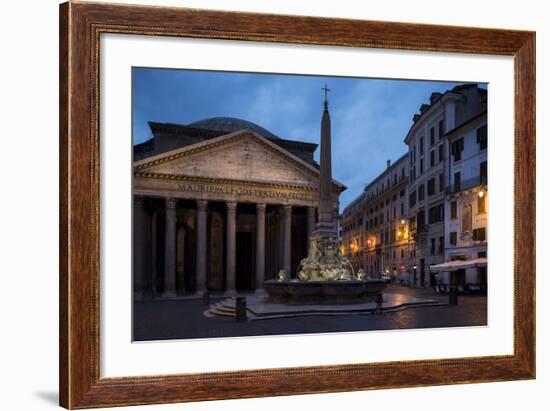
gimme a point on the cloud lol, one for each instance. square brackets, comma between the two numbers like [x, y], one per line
[370, 117]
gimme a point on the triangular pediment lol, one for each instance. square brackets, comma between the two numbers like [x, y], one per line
[243, 155]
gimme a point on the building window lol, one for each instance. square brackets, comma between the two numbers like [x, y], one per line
[431, 186]
[402, 209]
[421, 192]
[482, 137]
[441, 182]
[479, 234]
[435, 214]
[432, 158]
[432, 136]
[481, 203]
[441, 149]
[420, 219]
[441, 245]
[452, 237]
[412, 223]
[466, 218]
[441, 125]
[453, 210]
[421, 165]
[402, 193]
[483, 172]
[432, 246]
[421, 145]
[457, 182]
[456, 149]
[412, 199]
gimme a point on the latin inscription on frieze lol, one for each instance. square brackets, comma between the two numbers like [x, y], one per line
[244, 192]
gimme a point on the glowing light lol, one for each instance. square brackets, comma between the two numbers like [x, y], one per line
[481, 194]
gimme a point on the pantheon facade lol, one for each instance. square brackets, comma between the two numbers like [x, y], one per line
[220, 205]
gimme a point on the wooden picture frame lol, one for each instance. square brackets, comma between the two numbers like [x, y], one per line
[80, 27]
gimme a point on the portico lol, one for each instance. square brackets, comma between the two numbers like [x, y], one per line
[221, 215]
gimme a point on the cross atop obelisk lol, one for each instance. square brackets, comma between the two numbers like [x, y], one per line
[325, 225]
[326, 90]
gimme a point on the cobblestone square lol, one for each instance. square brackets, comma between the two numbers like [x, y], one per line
[183, 318]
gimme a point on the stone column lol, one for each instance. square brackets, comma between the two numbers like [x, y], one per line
[154, 257]
[260, 247]
[139, 246]
[280, 238]
[287, 234]
[310, 224]
[202, 211]
[170, 249]
[230, 288]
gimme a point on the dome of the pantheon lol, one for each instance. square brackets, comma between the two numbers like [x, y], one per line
[230, 125]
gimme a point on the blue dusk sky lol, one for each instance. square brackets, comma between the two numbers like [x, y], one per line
[370, 117]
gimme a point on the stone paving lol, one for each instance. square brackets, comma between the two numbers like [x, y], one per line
[260, 309]
[183, 318]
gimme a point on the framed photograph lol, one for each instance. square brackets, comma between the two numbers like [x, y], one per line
[259, 205]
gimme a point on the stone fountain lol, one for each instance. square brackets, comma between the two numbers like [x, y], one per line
[325, 276]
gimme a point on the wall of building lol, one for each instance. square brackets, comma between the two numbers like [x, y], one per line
[467, 202]
[374, 226]
[404, 245]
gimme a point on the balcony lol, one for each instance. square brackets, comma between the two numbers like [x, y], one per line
[422, 230]
[467, 184]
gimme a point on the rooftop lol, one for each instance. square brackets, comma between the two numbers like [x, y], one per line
[230, 125]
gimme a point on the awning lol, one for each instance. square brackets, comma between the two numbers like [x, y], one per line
[459, 265]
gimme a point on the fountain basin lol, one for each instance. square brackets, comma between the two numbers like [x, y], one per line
[323, 292]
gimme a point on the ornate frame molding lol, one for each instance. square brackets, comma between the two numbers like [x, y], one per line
[80, 27]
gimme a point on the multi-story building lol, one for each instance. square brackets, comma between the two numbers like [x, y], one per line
[467, 197]
[375, 234]
[430, 205]
[430, 173]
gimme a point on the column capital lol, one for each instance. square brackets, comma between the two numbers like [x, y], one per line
[287, 209]
[231, 206]
[170, 202]
[139, 201]
[202, 205]
[260, 207]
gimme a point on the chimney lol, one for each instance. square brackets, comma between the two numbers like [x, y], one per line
[416, 117]
[388, 163]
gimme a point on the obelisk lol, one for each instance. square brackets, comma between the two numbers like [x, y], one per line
[325, 225]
